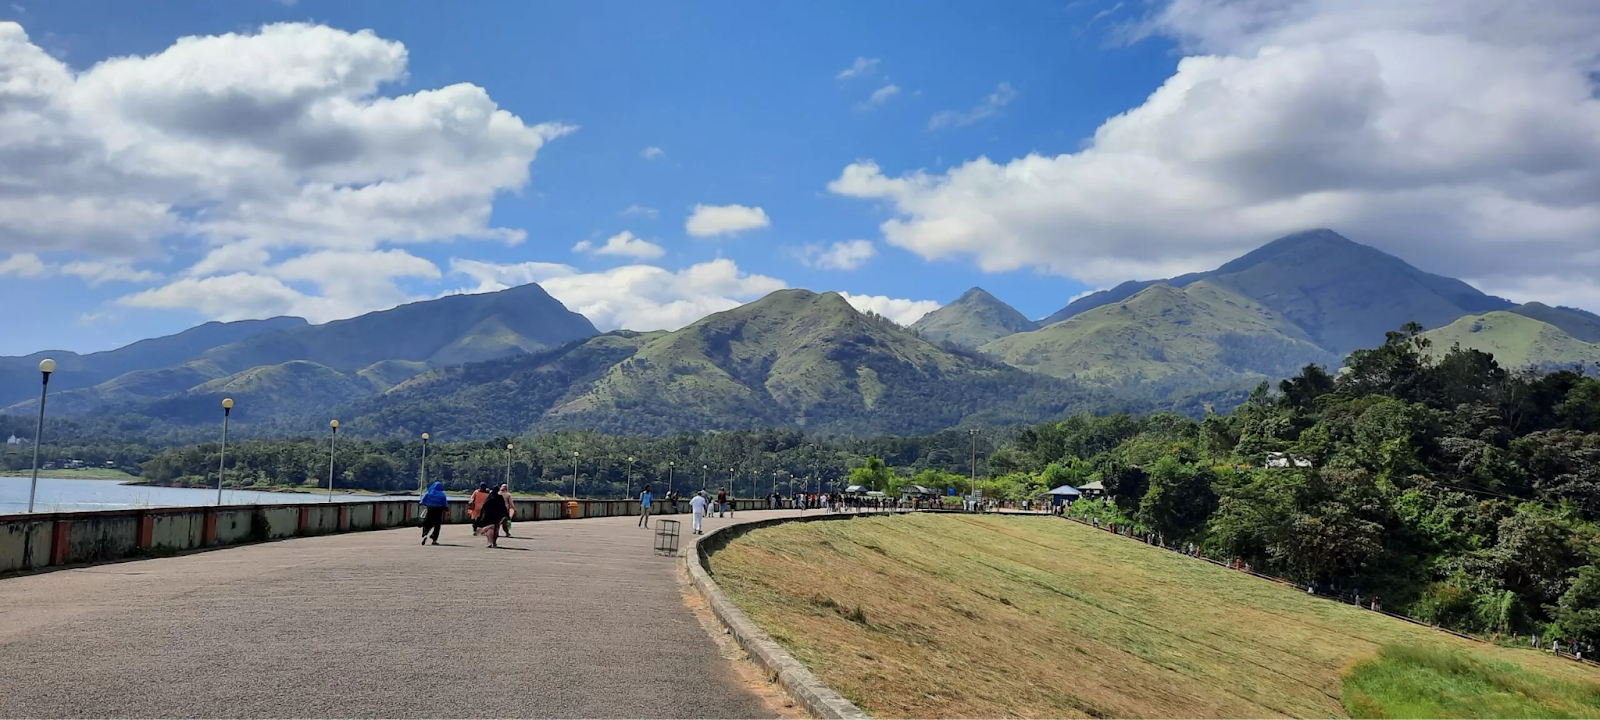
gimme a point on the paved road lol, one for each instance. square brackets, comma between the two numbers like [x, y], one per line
[578, 619]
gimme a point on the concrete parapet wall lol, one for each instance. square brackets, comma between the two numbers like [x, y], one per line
[44, 540]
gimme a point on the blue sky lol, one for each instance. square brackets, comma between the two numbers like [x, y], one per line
[747, 106]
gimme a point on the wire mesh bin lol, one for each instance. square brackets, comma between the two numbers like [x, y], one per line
[666, 537]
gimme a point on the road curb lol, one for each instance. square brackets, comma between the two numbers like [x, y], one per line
[818, 699]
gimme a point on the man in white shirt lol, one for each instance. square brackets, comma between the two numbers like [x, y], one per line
[698, 505]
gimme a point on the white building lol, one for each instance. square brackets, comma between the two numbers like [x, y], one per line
[1283, 460]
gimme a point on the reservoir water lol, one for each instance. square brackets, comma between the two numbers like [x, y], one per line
[77, 494]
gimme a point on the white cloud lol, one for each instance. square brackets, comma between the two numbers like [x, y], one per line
[1457, 134]
[97, 272]
[280, 141]
[900, 310]
[652, 152]
[347, 283]
[862, 67]
[1001, 97]
[648, 212]
[624, 244]
[880, 96]
[636, 297]
[23, 265]
[846, 255]
[714, 220]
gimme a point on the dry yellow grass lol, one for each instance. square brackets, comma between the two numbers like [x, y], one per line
[993, 616]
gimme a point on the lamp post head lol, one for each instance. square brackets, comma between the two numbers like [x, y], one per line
[47, 366]
[509, 446]
[574, 453]
[630, 458]
[424, 436]
[333, 424]
[227, 403]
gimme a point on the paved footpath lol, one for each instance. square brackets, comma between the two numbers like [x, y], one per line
[572, 618]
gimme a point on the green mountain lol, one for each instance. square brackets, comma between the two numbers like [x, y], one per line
[792, 359]
[972, 320]
[370, 354]
[1342, 294]
[1516, 341]
[1167, 342]
[19, 376]
[1580, 324]
[449, 330]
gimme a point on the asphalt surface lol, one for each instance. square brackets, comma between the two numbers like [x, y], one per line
[578, 618]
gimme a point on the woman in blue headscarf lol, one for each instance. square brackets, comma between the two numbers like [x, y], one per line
[434, 504]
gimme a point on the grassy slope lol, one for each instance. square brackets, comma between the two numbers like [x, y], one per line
[1580, 324]
[1514, 340]
[1201, 331]
[990, 616]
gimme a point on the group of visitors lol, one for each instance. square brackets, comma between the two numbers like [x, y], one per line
[491, 512]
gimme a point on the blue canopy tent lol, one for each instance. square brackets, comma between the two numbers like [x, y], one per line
[1063, 494]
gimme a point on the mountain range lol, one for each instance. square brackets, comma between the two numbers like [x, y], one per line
[518, 361]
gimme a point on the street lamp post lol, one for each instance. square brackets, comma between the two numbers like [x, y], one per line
[222, 462]
[422, 488]
[628, 492]
[46, 366]
[705, 472]
[972, 489]
[671, 465]
[333, 432]
[574, 474]
[509, 446]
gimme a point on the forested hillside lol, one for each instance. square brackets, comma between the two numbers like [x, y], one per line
[1459, 491]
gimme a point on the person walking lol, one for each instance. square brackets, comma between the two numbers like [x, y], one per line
[511, 509]
[434, 505]
[644, 507]
[490, 515]
[698, 507]
[722, 501]
[476, 502]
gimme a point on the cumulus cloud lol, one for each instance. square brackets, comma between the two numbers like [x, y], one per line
[1001, 97]
[23, 265]
[862, 67]
[279, 141]
[648, 212]
[636, 297]
[715, 220]
[347, 283]
[1461, 135]
[900, 310]
[652, 152]
[624, 244]
[846, 255]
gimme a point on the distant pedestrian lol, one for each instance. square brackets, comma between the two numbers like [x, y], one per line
[722, 501]
[476, 503]
[434, 505]
[644, 507]
[698, 507]
[490, 515]
[511, 509]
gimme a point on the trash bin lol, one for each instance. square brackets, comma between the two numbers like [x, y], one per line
[572, 510]
[666, 537]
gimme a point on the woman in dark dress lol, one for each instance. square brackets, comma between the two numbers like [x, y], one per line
[490, 516]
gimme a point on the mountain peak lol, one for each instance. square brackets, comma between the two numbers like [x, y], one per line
[974, 318]
[1343, 294]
